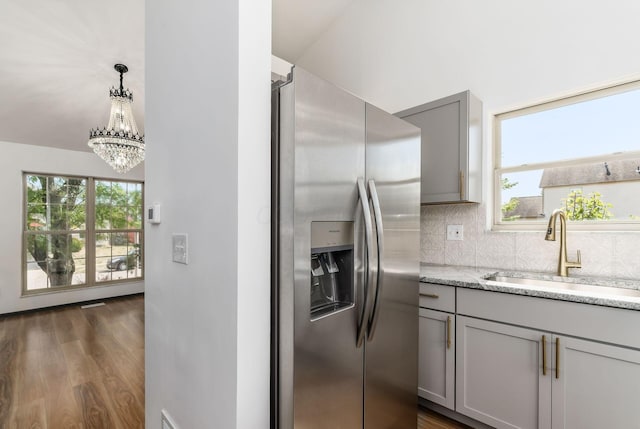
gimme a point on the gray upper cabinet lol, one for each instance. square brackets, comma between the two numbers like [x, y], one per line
[451, 148]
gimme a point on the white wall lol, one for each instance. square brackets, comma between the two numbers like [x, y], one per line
[19, 158]
[207, 131]
[510, 54]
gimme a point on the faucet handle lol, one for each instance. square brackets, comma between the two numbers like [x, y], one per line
[578, 263]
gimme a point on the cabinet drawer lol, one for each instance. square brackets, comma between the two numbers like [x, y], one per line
[610, 325]
[438, 297]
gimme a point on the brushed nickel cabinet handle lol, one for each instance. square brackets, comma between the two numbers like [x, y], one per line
[544, 355]
[461, 185]
[431, 295]
[448, 332]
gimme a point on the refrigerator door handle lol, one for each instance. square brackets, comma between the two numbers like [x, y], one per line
[367, 289]
[377, 213]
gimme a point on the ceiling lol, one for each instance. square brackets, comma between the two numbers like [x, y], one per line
[56, 67]
[297, 24]
[57, 60]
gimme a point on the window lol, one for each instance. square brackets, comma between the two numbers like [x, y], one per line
[80, 231]
[580, 154]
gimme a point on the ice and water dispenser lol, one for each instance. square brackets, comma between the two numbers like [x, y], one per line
[331, 268]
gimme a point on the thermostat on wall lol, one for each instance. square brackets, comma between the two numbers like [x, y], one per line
[154, 214]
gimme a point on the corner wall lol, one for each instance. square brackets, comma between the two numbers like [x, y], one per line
[16, 159]
[208, 144]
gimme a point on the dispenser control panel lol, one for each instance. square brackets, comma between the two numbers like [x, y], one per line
[332, 275]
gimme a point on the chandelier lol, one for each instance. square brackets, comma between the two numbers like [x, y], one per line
[119, 144]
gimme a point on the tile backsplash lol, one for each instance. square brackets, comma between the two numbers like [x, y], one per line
[610, 254]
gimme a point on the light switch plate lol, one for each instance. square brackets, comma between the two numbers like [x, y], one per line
[179, 248]
[455, 232]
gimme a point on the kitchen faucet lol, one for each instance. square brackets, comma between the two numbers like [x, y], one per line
[563, 263]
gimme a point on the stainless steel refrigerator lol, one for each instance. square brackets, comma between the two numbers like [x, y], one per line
[345, 260]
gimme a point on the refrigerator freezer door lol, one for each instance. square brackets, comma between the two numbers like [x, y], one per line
[391, 368]
[321, 158]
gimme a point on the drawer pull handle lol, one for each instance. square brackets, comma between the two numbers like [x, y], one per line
[557, 357]
[431, 295]
[544, 355]
[448, 332]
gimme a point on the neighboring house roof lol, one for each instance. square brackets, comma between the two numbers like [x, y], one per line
[528, 207]
[621, 171]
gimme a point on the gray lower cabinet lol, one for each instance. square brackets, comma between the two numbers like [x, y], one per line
[436, 357]
[513, 377]
[500, 380]
[598, 386]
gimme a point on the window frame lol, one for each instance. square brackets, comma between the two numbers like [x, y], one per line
[90, 232]
[528, 225]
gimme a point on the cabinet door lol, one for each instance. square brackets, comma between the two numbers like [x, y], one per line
[499, 374]
[436, 357]
[441, 156]
[597, 386]
[451, 148]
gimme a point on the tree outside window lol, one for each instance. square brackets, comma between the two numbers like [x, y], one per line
[62, 247]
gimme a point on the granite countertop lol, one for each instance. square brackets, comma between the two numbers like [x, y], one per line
[476, 278]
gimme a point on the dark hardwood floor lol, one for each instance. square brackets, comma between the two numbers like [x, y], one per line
[428, 419]
[74, 368]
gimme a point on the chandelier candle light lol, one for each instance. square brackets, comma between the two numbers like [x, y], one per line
[119, 144]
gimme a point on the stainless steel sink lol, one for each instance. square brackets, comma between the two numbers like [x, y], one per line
[565, 285]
